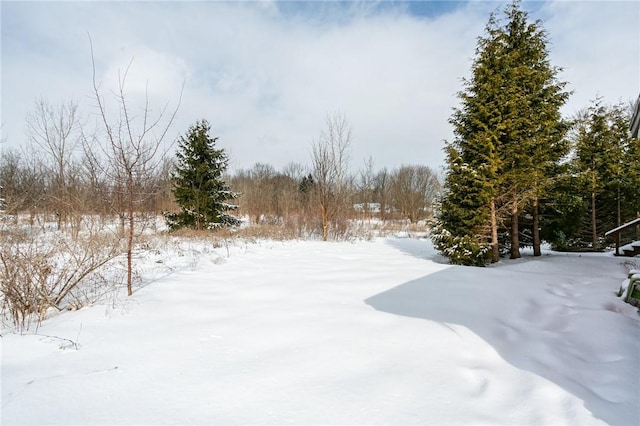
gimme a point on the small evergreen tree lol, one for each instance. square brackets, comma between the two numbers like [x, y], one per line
[306, 184]
[198, 184]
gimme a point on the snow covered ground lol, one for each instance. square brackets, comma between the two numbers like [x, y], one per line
[376, 332]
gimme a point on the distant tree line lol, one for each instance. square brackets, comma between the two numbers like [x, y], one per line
[65, 172]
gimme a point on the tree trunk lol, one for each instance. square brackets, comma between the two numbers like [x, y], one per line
[619, 208]
[121, 209]
[515, 237]
[325, 224]
[594, 228]
[536, 228]
[495, 249]
[130, 239]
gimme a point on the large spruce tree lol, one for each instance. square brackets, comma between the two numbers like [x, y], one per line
[198, 184]
[532, 142]
[507, 139]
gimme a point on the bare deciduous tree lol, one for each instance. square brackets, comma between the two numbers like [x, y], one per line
[366, 187]
[330, 161]
[382, 191]
[133, 151]
[260, 192]
[54, 134]
[415, 189]
[25, 184]
[12, 176]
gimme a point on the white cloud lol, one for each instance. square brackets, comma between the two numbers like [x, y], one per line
[265, 79]
[142, 69]
[598, 45]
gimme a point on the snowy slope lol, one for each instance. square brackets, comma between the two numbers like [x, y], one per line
[339, 333]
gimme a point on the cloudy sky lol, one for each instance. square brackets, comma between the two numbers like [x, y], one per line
[266, 74]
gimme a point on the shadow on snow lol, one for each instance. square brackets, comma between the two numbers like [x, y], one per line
[538, 322]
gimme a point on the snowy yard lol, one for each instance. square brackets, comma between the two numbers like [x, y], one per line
[338, 333]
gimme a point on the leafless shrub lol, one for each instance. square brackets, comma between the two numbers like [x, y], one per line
[302, 225]
[52, 270]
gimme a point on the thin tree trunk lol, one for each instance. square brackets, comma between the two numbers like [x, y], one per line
[619, 209]
[594, 229]
[515, 237]
[121, 209]
[495, 249]
[325, 224]
[130, 239]
[325, 227]
[536, 228]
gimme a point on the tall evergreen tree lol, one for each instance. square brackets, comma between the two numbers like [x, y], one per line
[607, 177]
[466, 227]
[631, 173]
[532, 139]
[507, 135]
[198, 184]
[627, 169]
